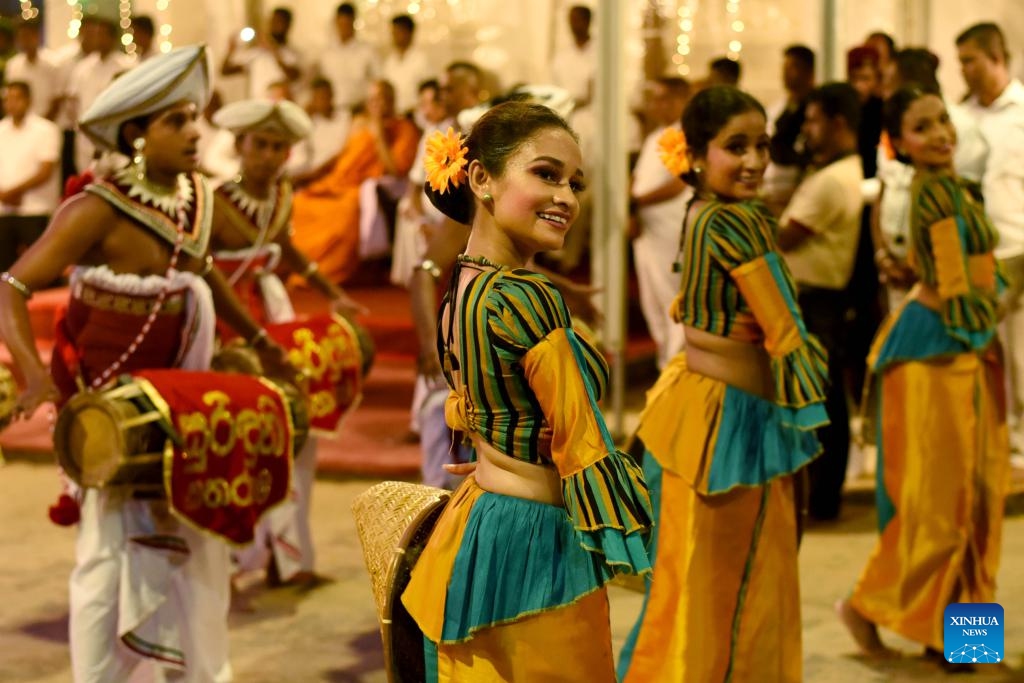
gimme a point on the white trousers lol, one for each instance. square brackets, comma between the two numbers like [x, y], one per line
[654, 252]
[124, 586]
[285, 531]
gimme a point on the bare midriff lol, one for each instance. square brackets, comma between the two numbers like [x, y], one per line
[508, 476]
[743, 365]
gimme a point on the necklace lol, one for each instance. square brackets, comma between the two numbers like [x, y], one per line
[170, 201]
[479, 261]
[259, 210]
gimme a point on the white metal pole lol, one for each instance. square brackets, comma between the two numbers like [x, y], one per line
[610, 201]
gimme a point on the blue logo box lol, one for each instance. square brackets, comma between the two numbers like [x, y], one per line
[973, 633]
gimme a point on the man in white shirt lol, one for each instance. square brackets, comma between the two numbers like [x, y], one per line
[659, 199]
[90, 76]
[350, 64]
[328, 134]
[573, 68]
[268, 59]
[37, 67]
[29, 174]
[997, 104]
[818, 234]
[405, 67]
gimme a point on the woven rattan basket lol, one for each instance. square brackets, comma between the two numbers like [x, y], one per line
[394, 520]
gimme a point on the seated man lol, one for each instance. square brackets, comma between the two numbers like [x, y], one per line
[417, 217]
[326, 214]
[330, 129]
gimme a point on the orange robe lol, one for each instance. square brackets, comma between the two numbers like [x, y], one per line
[326, 213]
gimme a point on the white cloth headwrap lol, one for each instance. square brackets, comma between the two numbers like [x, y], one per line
[181, 75]
[250, 115]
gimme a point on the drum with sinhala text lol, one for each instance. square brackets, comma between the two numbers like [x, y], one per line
[118, 436]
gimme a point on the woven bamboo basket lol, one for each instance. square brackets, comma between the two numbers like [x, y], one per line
[394, 520]
[8, 396]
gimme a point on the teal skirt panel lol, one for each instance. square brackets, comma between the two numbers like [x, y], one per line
[757, 441]
[518, 558]
[918, 334]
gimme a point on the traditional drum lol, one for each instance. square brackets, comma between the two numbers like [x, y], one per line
[235, 357]
[394, 520]
[118, 437]
[329, 351]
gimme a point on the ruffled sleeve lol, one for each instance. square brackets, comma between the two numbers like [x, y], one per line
[741, 239]
[603, 490]
[953, 251]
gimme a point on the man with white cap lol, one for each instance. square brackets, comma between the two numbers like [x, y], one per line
[251, 236]
[148, 591]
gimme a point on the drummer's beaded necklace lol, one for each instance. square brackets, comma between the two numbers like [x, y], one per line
[183, 200]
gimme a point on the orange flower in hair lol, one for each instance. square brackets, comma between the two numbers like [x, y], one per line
[672, 150]
[445, 160]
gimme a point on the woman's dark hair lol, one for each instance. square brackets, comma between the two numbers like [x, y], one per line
[896, 106]
[495, 137]
[708, 112]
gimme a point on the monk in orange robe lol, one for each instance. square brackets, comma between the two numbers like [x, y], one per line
[326, 212]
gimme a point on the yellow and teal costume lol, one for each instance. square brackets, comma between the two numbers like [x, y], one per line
[723, 603]
[509, 589]
[943, 448]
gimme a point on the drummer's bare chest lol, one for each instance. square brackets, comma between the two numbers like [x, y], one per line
[228, 236]
[131, 248]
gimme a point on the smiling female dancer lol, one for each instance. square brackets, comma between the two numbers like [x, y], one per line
[727, 425]
[511, 584]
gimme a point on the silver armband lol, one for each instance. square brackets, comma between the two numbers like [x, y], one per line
[18, 285]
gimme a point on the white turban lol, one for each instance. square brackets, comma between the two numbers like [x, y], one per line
[282, 117]
[153, 85]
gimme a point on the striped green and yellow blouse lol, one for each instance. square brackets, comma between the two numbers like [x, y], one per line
[529, 386]
[952, 250]
[735, 285]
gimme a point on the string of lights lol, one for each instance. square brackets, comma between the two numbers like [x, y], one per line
[28, 12]
[75, 25]
[686, 14]
[732, 8]
[165, 26]
[124, 20]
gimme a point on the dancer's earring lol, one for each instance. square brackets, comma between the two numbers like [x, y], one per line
[487, 198]
[138, 159]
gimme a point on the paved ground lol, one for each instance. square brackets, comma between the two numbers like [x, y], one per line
[330, 634]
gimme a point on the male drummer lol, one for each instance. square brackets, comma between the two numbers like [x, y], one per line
[147, 592]
[251, 235]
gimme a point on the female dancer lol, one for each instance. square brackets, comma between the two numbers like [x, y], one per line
[510, 585]
[943, 447]
[726, 427]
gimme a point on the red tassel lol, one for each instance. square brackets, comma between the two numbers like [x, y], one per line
[77, 183]
[65, 512]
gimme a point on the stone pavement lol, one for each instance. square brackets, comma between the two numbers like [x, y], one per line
[330, 633]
